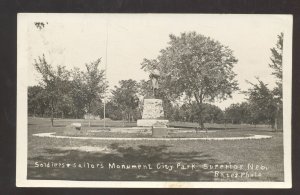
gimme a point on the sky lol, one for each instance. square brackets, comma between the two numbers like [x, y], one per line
[73, 40]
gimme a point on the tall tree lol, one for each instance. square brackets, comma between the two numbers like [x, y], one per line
[113, 111]
[212, 113]
[37, 100]
[65, 104]
[276, 65]
[77, 93]
[94, 84]
[262, 103]
[196, 67]
[238, 113]
[55, 83]
[125, 96]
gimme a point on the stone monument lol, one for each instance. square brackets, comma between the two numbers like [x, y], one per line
[153, 112]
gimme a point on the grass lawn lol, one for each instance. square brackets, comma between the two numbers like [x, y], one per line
[70, 159]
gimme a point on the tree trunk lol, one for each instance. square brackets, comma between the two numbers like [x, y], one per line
[201, 123]
[199, 103]
[123, 119]
[89, 115]
[275, 124]
[52, 113]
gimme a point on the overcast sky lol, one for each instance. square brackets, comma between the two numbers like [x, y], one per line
[73, 40]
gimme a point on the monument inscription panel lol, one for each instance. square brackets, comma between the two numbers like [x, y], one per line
[153, 113]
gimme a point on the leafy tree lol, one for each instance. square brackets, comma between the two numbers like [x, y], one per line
[238, 113]
[94, 85]
[212, 113]
[37, 101]
[233, 113]
[77, 93]
[125, 97]
[276, 65]
[55, 83]
[195, 67]
[97, 108]
[113, 111]
[176, 114]
[262, 103]
[65, 104]
[144, 88]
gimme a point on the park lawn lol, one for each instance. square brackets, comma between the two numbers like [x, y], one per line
[265, 152]
[149, 135]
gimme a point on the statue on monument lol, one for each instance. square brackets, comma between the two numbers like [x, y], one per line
[154, 76]
[153, 111]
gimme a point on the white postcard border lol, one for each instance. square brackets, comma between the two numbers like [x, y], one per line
[21, 158]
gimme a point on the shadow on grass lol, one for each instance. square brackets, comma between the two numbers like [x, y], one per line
[144, 155]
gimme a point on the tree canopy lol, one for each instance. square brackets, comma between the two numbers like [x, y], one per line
[238, 113]
[94, 84]
[55, 83]
[197, 67]
[125, 97]
[262, 103]
[276, 64]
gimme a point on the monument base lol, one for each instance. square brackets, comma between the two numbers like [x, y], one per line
[152, 122]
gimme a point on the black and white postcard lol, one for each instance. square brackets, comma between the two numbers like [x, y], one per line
[154, 100]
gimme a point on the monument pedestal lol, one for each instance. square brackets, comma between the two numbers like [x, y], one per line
[153, 114]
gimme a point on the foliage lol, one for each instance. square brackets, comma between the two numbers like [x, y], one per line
[94, 83]
[68, 93]
[276, 58]
[54, 82]
[197, 67]
[276, 65]
[262, 103]
[113, 111]
[37, 101]
[125, 97]
[212, 113]
[238, 113]
[77, 93]
[189, 112]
